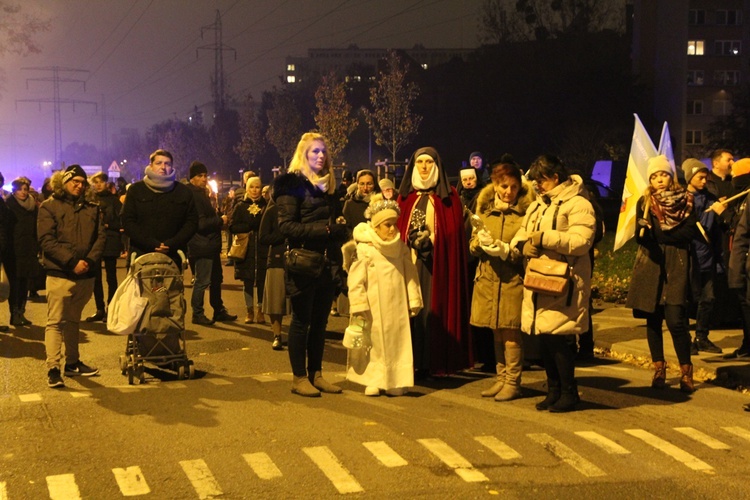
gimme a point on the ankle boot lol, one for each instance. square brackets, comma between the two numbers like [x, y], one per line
[259, 316]
[553, 395]
[513, 368]
[568, 399]
[317, 380]
[686, 381]
[660, 375]
[499, 380]
[303, 387]
[249, 317]
[14, 319]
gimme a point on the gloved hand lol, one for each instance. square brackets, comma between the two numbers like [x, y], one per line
[642, 223]
[484, 237]
[536, 239]
[497, 249]
[413, 311]
[530, 251]
[420, 239]
[338, 232]
[515, 241]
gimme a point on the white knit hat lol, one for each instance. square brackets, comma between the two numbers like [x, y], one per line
[658, 164]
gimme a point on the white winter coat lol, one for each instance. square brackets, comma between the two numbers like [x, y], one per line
[384, 287]
[568, 223]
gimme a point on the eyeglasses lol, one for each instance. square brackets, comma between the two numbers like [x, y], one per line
[77, 182]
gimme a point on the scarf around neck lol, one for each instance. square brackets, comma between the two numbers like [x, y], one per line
[28, 204]
[670, 208]
[159, 183]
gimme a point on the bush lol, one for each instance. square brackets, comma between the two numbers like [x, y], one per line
[612, 270]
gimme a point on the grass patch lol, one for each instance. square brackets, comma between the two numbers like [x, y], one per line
[612, 270]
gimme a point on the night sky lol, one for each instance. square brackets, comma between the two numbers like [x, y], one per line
[141, 58]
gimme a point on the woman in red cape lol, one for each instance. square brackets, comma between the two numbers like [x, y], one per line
[431, 223]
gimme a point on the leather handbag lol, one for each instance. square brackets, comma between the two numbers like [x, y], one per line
[238, 250]
[304, 262]
[547, 277]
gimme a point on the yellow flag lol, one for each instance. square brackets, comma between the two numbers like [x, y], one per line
[641, 149]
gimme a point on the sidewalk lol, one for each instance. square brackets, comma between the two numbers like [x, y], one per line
[616, 331]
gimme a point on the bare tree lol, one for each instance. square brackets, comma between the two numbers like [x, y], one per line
[333, 117]
[252, 140]
[284, 124]
[18, 29]
[392, 119]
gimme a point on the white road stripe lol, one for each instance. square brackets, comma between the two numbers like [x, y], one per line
[80, 394]
[264, 378]
[63, 487]
[671, 450]
[200, 476]
[27, 398]
[499, 448]
[218, 381]
[602, 442]
[738, 431]
[262, 465]
[567, 455]
[385, 454]
[333, 469]
[697, 435]
[131, 481]
[454, 460]
[174, 385]
[3, 491]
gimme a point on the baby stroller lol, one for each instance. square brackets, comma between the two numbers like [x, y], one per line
[159, 335]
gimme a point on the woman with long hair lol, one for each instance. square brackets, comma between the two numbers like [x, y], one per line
[307, 210]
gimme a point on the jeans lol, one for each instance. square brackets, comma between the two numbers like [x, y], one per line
[208, 274]
[65, 301]
[110, 267]
[677, 322]
[705, 305]
[307, 331]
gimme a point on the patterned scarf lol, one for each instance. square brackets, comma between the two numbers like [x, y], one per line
[671, 207]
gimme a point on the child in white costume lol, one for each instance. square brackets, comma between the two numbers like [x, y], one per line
[383, 291]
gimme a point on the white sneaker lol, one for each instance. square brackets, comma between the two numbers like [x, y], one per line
[398, 391]
[372, 391]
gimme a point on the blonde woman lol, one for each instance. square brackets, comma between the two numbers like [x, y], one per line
[307, 209]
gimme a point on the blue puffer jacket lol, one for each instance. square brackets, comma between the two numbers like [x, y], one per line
[707, 254]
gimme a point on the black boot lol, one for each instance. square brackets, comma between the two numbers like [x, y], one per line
[568, 399]
[553, 395]
[565, 362]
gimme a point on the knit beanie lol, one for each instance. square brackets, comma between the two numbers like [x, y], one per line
[477, 153]
[74, 171]
[197, 168]
[658, 164]
[691, 166]
[386, 184]
[741, 167]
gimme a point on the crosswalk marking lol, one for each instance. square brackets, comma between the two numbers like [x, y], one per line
[28, 398]
[201, 478]
[131, 481]
[567, 455]
[218, 381]
[602, 442]
[3, 491]
[63, 487]
[739, 432]
[264, 378]
[80, 394]
[454, 460]
[499, 448]
[175, 385]
[385, 454]
[333, 469]
[262, 465]
[703, 438]
[671, 450]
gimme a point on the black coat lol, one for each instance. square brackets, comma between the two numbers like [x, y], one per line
[22, 244]
[111, 208]
[354, 211]
[206, 242]
[246, 219]
[270, 235]
[151, 218]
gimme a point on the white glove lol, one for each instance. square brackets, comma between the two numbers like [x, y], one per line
[497, 249]
[413, 311]
[515, 241]
[484, 237]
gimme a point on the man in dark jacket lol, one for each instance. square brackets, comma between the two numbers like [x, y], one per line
[159, 213]
[204, 249]
[71, 237]
[110, 207]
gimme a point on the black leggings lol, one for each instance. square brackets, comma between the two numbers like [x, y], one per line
[307, 331]
[677, 323]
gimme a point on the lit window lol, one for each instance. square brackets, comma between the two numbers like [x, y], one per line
[695, 47]
[290, 67]
[424, 66]
[695, 107]
[357, 78]
[291, 79]
[695, 77]
[693, 137]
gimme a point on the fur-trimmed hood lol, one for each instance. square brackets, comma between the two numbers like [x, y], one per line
[486, 199]
[56, 184]
[290, 184]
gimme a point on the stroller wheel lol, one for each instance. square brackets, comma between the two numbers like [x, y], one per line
[141, 375]
[191, 370]
[181, 372]
[123, 363]
[131, 374]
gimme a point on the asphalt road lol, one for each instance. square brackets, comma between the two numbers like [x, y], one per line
[236, 431]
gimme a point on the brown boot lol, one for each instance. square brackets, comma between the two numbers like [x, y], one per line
[660, 375]
[259, 316]
[499, 381]
[249, 317]
[513, 368]
[322, 384]
[303, 387]
[686, 381]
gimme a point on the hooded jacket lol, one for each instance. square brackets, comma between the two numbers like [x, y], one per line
[206, 242]
[69, 230]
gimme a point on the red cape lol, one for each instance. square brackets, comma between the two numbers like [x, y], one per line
[450, 337]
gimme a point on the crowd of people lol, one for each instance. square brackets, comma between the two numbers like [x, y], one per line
[435, 277]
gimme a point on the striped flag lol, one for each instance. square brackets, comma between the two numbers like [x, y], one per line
[641, 149]
[665, 146]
